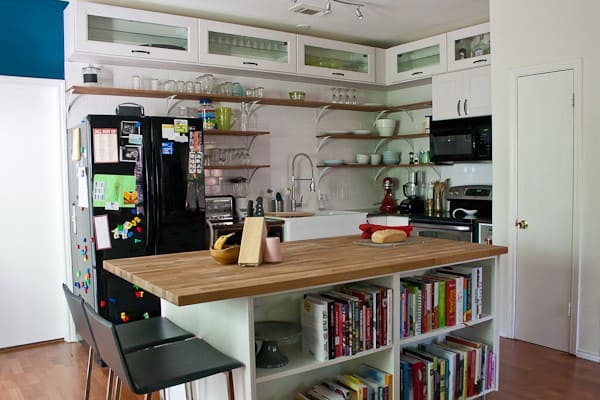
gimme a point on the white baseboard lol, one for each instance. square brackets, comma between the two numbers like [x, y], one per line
[588, 356]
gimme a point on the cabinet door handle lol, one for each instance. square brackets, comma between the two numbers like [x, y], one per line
[250, 63]
[417, 73]
[465, 106]
[337, 73]
[480, 60]
[141, 51]
[458, 108]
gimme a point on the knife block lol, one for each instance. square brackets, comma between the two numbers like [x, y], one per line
[253, 242]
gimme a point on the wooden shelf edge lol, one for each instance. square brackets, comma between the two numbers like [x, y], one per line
[158, 94]
[442, 331]
[216, 132]
[211, 167]
[377, 166]
[373, 136]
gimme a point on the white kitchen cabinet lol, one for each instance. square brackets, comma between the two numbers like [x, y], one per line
[335, 60]
[469, 47]
[246, 47]
[416, 60]
[462, 94]
[99, 32]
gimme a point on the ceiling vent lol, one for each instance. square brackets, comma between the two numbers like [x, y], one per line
[308, 9]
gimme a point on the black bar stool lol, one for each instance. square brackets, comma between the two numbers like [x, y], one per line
[133, 336]
[156, 368]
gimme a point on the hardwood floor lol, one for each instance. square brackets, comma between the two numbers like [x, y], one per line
[56, 370]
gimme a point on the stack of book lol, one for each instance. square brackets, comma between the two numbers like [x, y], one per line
[453, 369]
[445, 297]
[346, 321]
[369, 383]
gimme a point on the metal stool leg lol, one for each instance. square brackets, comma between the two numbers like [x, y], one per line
[88, 375]
[148, 396]
[230, 388]
[118, 384]
[109, 384]
[189, 391]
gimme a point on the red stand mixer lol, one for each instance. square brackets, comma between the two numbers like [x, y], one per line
[388, 205]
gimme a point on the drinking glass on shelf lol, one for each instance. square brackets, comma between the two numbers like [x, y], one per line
[189, 87]
[333, 96]
[340, 92]
[169, 85]
[354, 97]
[180, 86]
[347, 98]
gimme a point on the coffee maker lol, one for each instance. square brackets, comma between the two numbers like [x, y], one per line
[413, 203]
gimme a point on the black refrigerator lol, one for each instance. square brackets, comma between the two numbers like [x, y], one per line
[136, 188]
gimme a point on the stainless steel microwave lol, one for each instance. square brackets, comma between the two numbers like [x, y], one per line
[461, 140]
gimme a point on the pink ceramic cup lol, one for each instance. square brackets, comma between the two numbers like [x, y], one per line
[273, 250]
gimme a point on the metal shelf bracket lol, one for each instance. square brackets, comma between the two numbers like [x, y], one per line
[322, 173]
[379, 144]
[322, 142]
[319, 114]
[171, 102]
[378, 173]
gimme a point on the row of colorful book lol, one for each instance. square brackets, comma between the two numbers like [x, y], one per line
[369, 383]
[453, 369]
[444, 297]
[343, 322]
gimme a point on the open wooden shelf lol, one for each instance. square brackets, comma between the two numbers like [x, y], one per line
[236, 166]
[217, 132]
[372, 136]
[377, 166]
[158, 94]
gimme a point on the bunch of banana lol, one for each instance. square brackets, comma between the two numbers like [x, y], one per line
[220, 242]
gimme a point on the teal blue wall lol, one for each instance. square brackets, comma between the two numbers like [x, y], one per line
[31, 38]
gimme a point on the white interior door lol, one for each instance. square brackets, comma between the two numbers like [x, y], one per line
[32, 239]
[545, 182]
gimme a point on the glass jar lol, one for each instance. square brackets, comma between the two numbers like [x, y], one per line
[206, 111]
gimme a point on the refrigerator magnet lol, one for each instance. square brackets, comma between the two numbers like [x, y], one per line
[130, 128]
[167, 148]
[135, 139]
[102, 232]
[167, 131]
[129, 153]
[106, 148]
[180, 125]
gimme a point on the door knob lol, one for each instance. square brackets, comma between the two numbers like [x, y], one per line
[522, 224]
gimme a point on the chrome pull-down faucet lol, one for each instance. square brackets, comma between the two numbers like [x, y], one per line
[311, 186]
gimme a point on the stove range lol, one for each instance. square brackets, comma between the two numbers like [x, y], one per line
[457, 224]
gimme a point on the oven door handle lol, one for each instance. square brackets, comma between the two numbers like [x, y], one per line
[443, 227]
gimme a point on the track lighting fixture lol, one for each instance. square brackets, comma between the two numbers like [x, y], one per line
[309, 9]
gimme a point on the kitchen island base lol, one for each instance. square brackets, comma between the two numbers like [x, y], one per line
[228, 323]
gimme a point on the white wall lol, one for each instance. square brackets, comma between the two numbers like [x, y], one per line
[528, 33]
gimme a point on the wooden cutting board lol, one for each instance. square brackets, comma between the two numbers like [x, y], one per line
[290, 214]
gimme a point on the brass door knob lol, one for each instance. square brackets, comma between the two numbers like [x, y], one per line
[522, 224]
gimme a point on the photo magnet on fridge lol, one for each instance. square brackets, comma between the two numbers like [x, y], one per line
[129, 153]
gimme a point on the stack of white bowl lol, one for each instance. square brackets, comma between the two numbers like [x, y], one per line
[391, 157]
[385, 126]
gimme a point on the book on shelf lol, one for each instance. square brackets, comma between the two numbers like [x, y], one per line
[365, 305]
[475, 275]
[469, 378]
[314, 319]
[441, 299]
[354, 385]
[321, 392]
[434, 372]
[461, 294]
[481, 356]
[416, 387]
[450, 298]
[405, 380]
[340, 389]
[453, 376]
[343, 321]
[376, 374]
[426, 289]
[376, 390]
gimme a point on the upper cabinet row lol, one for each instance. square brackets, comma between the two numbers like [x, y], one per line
[97, 32]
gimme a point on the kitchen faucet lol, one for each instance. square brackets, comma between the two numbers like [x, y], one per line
[311, 186]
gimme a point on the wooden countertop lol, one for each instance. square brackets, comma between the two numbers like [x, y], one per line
[193, 277]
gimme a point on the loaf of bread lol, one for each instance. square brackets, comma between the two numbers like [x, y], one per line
[388, 236]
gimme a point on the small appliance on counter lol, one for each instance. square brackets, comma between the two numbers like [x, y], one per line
[413, 203]
[225, 214]
[470, 207]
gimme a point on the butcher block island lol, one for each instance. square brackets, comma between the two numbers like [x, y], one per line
[222, 304]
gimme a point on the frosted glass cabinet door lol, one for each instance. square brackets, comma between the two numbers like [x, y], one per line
[469, 47]
[336, 60]
[416, 60]
[246, 47]
[123, 32]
